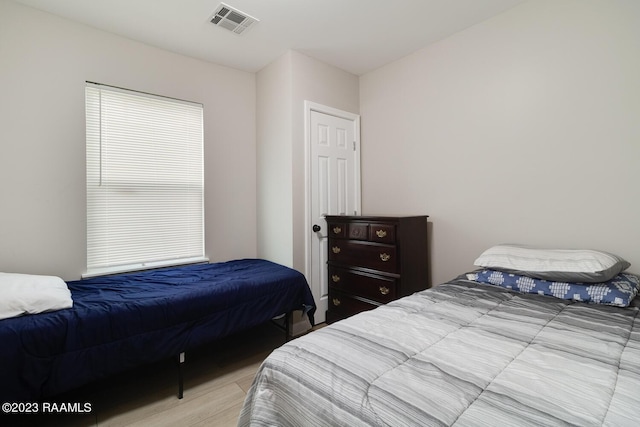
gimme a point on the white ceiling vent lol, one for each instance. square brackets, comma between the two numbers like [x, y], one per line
[232, 19]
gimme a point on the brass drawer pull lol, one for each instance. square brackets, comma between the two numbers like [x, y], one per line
[335, 278]
[385, 257]
[337, 230]
[336, 302]
[381, 233]
[336, 249]
[384, 290]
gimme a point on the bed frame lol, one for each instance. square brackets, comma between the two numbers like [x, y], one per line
[124, 321]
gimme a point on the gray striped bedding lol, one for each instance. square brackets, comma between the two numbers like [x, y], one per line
[460, 354]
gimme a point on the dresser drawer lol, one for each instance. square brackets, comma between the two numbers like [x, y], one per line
[364, 254]
[370, 286]
[382, 233]
[358, 231]
[344, 305]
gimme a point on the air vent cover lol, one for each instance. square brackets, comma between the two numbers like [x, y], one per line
[232, 19]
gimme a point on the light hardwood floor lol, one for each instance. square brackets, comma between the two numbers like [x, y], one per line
[216, 380]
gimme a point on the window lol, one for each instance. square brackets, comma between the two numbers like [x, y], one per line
[145, 185]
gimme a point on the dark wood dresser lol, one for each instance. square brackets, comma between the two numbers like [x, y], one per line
[374, 260]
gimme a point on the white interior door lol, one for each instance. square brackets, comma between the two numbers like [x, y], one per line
[334, 163]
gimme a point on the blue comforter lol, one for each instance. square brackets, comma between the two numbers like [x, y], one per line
[119, 322]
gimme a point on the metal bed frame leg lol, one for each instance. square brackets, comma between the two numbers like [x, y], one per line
[180, 375]
[181, 357]
[287, 328]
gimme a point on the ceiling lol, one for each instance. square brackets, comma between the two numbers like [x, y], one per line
[355, 35]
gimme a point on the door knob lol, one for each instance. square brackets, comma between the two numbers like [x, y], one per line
[316, 228]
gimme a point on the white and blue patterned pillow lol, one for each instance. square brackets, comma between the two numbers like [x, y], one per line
[618, 291]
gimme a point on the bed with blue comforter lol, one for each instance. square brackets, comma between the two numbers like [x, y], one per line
[122, 321]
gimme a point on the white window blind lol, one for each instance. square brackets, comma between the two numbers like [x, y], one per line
[145, 185]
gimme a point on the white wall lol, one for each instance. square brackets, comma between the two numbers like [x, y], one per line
[282, 88]
[521, 129]
[274, 154]
[45, 62]
[524, 128]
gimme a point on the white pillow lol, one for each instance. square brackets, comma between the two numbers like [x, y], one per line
[559, 265]
[30, 294]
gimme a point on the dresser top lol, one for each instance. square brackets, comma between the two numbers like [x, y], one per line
[372, 217]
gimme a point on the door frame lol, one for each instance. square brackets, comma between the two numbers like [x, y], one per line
[310, 106]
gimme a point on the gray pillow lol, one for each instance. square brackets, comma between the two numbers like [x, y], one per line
[558, 265]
